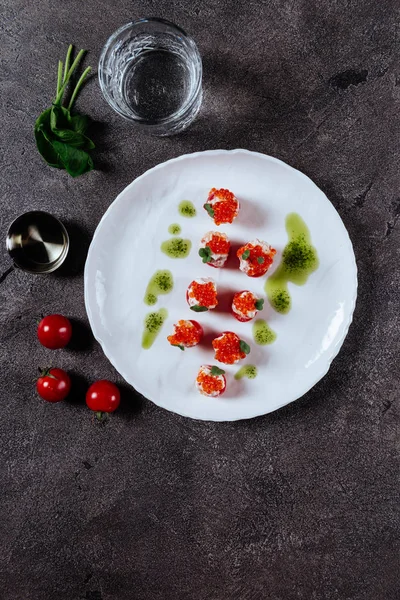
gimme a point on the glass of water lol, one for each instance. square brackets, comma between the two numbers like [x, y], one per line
[150, 73]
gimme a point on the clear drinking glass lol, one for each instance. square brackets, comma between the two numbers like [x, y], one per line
[150, 73]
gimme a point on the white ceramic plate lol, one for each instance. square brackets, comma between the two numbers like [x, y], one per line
[125, 253]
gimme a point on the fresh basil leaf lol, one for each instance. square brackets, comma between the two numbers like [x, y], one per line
[61, 128]
[209, 209]
[75, 161]
[77, 140]
[46, 150]
[43, 119]
[199, 308]
[244, 347]
[217, 371]
[246, 254]
[261, 260]
[43, 139]
[259, 304]
[58, 118]
[79, 123]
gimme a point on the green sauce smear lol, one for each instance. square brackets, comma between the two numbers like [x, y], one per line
[187, 209]
[299, 260]
[262, 333]
[249, 371]
[162, 282]
[153, 323]
[176, 247]
[174, 229]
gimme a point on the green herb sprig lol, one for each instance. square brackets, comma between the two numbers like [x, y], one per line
[206, 254]
[244, 347]
[216, 371]
[60, 136]
[259, 304]
[209, 209]
[197, 308]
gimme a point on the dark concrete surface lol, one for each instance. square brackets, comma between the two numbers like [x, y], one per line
[299, 504]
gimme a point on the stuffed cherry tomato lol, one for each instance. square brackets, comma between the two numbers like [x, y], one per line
[186, 334]
[214, 249]
[211, 381]
[222, 206]
[201, 294]
[255, 258]
[229, 348]
[245, 305]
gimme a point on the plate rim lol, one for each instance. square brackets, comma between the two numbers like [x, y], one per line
[336, 348]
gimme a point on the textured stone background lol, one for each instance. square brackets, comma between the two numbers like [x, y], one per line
[300, 504]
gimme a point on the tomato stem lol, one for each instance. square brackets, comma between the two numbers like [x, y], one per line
[99, 415]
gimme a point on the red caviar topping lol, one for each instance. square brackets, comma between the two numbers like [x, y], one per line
[210, 383]
[224, 204]
[245, 302]
[205, 294]
[187, 333]
[227, 348]
[219, 244]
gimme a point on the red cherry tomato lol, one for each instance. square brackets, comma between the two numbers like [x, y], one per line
[240, 318]
[103, 396]
[53, 385]
[54, 331]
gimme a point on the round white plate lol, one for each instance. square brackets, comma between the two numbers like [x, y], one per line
[125, 253]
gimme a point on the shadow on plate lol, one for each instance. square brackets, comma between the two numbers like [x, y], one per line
[225, 297]
[232, 262]
[208, 337]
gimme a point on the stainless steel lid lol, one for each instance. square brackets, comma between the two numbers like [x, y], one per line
[37, 242]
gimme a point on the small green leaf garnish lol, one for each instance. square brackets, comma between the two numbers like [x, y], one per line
[217, 371]
[260, 260]
[199, 308]
[205, 254]
[244, 347]
[178, 346]
[210, 210]
[246, 254]
[259, 304]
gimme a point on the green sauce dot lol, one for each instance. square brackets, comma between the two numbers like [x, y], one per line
[299, 256]
[187, 209]
[162, 282]
[151, 299]
[176, 247]
[174, 229]
[281, 301]
[153, 323]
[262, 333]
[249, 371]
